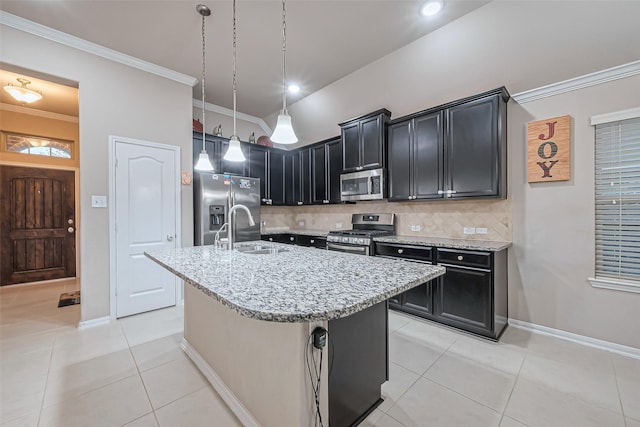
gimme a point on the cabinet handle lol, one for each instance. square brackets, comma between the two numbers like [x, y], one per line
[460, 257]
[451, 191]
[409, 197]
[271, 239]
[440, 192]
[291, 239]
[312, 241]
[299, 203]
[325, 201]
[400, 251]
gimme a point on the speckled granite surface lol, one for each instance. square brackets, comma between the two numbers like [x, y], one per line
[314, 233]
[299, 285]
[482, 245]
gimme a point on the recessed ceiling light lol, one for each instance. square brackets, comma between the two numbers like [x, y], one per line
[293, 88]
[431, 7]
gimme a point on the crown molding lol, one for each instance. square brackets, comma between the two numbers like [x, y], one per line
[40, 113]
[229, 112]
[581, 82]
[632, 113]
[48, 33]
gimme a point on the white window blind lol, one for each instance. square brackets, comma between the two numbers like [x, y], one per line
[617, 198]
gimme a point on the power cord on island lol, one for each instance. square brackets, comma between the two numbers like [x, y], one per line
[318, 339]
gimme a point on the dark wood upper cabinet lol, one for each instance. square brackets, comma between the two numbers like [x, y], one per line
[276, 177]
[319, 175]
[258, 161]
[305, 177]
[233, 168]
[449, 152]
[334, 169]
[363, 140]
[292, 178]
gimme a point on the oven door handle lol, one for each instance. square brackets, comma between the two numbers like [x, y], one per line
[347, 248]
[369, 185]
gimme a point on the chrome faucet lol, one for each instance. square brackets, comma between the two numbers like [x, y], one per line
[232, 222]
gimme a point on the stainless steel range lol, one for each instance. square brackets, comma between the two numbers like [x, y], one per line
[359, 240]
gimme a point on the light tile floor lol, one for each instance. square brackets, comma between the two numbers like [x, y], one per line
[133, 373]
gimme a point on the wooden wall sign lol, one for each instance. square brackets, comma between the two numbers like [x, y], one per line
[549, 153]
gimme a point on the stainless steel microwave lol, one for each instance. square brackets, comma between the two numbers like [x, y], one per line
[364, 185]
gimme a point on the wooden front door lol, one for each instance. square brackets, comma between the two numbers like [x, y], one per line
[37, 224]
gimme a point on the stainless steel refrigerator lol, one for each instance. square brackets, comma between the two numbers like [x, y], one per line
[214, 194]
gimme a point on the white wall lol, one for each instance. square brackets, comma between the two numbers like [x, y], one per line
[521, 45]
[114, 100]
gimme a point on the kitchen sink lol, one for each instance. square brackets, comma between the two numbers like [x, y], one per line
[260, 249]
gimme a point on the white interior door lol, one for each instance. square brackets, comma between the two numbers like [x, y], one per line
[145, 220]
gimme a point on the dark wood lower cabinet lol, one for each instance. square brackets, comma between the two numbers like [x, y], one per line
[297, 239]
[471, 295]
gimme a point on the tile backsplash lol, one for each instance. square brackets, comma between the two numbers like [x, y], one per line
[435, 219]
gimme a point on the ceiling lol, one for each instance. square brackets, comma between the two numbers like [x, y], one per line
[326, 39]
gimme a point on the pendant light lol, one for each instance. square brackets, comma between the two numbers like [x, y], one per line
[22, 93]
[203, 164]
[284, 134]
[234, 152]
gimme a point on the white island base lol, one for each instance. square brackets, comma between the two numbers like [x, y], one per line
[257, 367]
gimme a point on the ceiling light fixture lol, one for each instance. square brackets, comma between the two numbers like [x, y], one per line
[234, 152]
[284, 134]
[293, 88]
[431, 7]
[203, 164]
[22, 93]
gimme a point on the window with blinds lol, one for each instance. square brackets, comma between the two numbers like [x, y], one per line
[617, 198]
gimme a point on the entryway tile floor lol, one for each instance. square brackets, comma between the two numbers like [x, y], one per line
[132, 372]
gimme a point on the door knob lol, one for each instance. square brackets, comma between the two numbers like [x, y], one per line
[70, 229]
[170, 237]
[70, 221]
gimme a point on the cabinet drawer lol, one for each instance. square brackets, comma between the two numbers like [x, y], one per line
[464, 258]
[280, 238]
[312, 241]
[420, 253]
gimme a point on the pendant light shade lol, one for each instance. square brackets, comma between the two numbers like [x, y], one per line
[283, 133]
[203, 163]
[234, 152]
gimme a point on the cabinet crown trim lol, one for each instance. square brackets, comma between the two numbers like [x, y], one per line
[372, 114]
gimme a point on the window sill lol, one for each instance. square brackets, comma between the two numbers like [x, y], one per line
[615, 284]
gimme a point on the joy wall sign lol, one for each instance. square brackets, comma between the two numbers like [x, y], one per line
[549, 151]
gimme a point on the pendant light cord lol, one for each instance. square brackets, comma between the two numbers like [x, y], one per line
[234, 68]
[204, 128]
[284, 59]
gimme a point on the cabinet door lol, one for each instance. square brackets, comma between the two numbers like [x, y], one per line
[464, 297]
[258, 169]
[291, 178]
[318, 175]
[371, 140]
[212, 146]
[351, 147]
[233, 168]
[276, 175]
[400, 162]
[419, 300]
[334, 169]
[428, 154]
[305, 176]
[472, 148]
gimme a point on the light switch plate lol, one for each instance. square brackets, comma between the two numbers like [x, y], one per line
[415, 228]
[300, 223]
[338, 225]
[469, 230]
[98, 201]
[481, 230]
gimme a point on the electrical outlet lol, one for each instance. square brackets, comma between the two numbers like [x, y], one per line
[415, 228]
[338, 225]
[469, 230]
[301, 223]
[98, 201]
[481, 230]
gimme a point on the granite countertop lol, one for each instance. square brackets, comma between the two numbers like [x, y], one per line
[298, 285]
[314, 233]
[481, 245]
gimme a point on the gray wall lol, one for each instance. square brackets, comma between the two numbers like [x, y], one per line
[522, 45]
[114, 100]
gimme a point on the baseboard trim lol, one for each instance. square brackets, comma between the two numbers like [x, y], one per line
[579, 339]
[94, 322]
[243, 414]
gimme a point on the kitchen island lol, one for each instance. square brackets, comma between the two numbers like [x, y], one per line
[249, 314]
